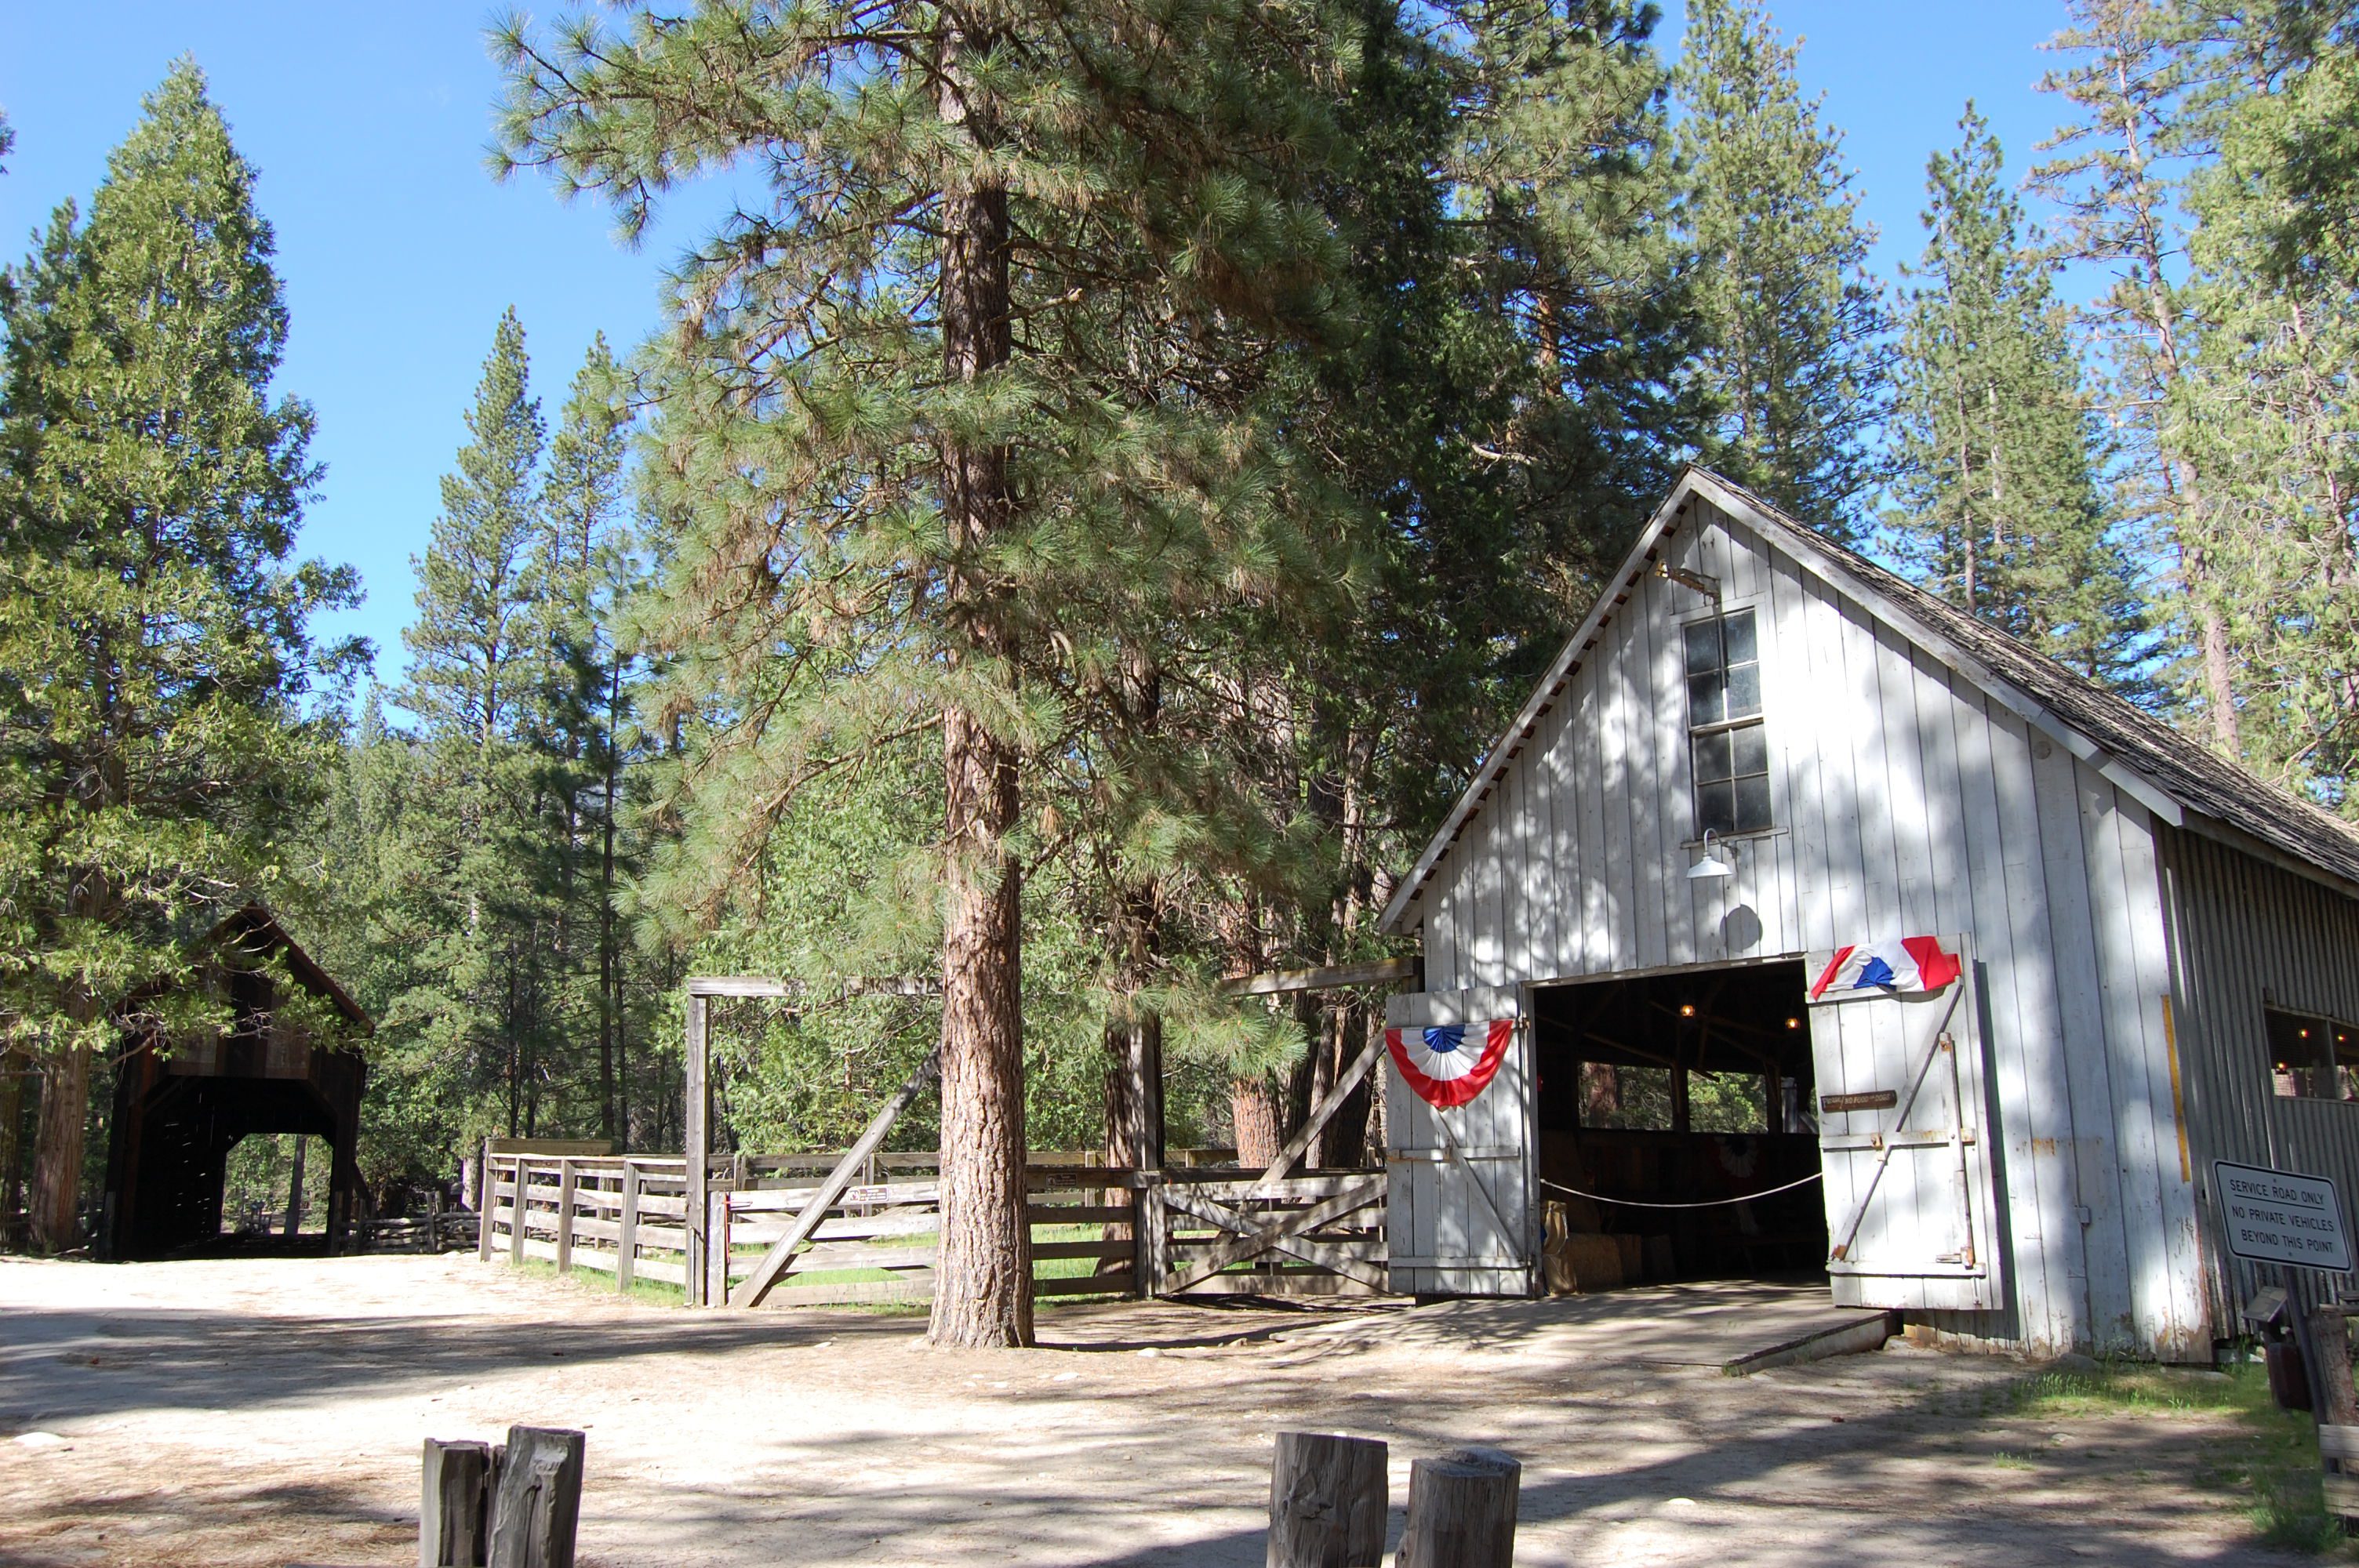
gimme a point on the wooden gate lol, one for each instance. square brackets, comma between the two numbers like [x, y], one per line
[1463, 1222]
[1224, 1233]
[1903, 1141]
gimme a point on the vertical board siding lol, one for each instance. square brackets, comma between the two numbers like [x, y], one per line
[1906, 802]
[2247, 935]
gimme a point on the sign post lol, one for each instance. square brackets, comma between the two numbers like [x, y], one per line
[2295, 1221]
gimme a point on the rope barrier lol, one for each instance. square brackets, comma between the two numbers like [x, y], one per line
[1715, 1203]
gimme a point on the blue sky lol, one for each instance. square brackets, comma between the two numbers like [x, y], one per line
[368, 124]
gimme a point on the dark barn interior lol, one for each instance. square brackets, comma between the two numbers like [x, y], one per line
[1689, 1087]
[179, 1113]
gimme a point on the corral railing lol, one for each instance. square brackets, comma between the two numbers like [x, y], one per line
[1198, 1230]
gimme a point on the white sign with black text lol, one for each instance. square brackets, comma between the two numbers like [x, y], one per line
[2281, 1216]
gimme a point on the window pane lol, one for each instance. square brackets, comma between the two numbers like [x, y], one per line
[1752, 750]
[1715, 809]
[1728, 1102]
[1738, 631]
[1638, 1098]
[1703, 646]
[1711, 758]
[1703, 699]
[1744, 690]
[1753, 802]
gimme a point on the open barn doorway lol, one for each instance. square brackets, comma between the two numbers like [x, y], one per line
[1691, 1087]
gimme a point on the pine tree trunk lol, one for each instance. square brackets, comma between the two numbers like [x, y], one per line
[1253, 1108]
[58, 1152]
[15, 1067]
[982, 1285]
[294, 1225]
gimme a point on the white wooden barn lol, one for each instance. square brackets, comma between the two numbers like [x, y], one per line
[2161, 962]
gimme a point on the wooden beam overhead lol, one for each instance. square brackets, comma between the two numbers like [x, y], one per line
[1333, 977]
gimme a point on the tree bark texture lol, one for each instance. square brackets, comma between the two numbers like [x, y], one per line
[58, 1152]
[1253, 1106]
[983, 1289]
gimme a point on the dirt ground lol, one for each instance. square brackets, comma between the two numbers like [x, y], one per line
[268, 1411]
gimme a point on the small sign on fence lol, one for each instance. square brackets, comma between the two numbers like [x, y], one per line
[2282, 1217]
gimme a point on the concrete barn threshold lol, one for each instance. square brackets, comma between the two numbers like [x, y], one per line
[1738, 1326]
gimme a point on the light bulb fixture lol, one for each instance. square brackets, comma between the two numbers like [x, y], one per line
[1687, 1010]
[1711, 868]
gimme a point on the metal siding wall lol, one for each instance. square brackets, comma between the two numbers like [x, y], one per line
[2246, 934]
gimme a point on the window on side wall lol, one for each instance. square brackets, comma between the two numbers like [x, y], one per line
[2312, 1056]
[1728, 747]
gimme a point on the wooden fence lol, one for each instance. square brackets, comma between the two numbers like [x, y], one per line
[1200, 1230]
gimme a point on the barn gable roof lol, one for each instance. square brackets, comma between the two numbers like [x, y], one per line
[2178, 779]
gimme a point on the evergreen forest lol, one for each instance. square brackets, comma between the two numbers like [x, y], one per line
[1083, 518]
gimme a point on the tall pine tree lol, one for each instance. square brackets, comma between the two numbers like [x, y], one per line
[478, 677]
[2117, 173]
[1997, 453]
[961, 411]
[1796, 357]
[155, 665]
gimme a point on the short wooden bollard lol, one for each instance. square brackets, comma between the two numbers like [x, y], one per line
[536, 1504]
[517, 1505]
[453, 1506]
[1461, 1510]
[1326, 1502]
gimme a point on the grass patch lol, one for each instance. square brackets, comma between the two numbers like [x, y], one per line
[658, 1292]
[2273, 1465]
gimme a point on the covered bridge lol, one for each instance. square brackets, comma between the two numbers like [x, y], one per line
[181, 1110]
[1760, 750]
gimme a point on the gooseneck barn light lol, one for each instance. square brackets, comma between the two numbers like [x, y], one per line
[1711, 868]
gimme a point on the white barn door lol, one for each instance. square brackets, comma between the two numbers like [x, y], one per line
[1459, 1217]
[1906, 1148]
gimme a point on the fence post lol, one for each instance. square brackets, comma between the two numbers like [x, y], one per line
[490, 1180]
[536, 1509]
[1151, 1263]
[1326, 1502]
[451, 1507]
[516, 1214]
[626, 1239]
[716, 1248]
[1461, 1510]
[569, 1184]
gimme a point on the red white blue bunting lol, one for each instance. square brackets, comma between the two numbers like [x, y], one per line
[1449, 1064]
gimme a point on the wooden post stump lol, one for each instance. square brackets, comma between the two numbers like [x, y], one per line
[1461, 1510]
[453, 1505]
[537, 1508]
[1326, 1502]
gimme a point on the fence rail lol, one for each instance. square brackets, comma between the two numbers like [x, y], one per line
[1198, 1230]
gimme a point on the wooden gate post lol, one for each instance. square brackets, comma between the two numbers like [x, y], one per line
[626, 1241]
[1461, 1510]
[489, 1180]
[568, 1185]
[453, 1506]
[537, 1508]
[696, 1114]
[516, 1212]
[1326, 1502]
[1151, 1237]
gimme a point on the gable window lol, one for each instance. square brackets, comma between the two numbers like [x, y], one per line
[2312, 1057]
[1729, 746]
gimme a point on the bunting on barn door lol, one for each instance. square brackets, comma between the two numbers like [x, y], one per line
[1449, 1064]
[1902, 964]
